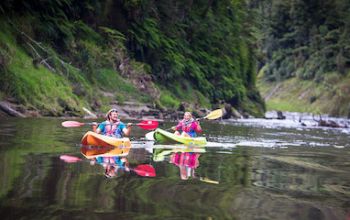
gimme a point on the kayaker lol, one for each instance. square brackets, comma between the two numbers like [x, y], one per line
[188, 126]
[113, 126]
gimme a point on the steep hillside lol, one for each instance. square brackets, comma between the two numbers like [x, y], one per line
[59, 56]
[36, 79]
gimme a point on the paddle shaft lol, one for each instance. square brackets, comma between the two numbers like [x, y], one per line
[146, 124]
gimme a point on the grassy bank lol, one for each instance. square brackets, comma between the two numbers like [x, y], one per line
[330, 95]
[34, 86]
[65, 89]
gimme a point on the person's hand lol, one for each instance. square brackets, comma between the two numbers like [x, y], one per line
[173, 128]
[94, 126]
[129, 125]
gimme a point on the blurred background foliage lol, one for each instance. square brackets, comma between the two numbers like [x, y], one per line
[304, 44]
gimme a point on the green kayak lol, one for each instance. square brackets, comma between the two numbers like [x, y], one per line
[164, 137]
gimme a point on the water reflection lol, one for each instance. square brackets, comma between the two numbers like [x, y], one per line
[114, 161]
[296, 180]
[183, 157]
[112, 165]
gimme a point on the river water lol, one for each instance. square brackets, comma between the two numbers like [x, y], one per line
[251, 169]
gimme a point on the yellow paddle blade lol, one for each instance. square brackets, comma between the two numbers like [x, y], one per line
[207, 180]
[214, 114]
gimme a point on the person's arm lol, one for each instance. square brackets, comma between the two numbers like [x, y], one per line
[177, 127]
[127, 129]
[197, 127]
[97, 128]
[126, 164]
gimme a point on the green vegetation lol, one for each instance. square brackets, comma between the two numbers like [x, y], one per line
[168, 100]
[182, 92]
[170, 52]
[207, 47]
[330, 96]
[308, 41]
[33, 86]
[201, 52]
[110, 80]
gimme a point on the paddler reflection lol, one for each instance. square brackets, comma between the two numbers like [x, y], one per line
[112, 165]
[187, 163]
[185, 158]
[114, 161]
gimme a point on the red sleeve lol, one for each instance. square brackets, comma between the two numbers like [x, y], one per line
[196, 127]
[178, 126]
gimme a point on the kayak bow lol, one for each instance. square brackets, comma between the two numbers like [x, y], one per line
[164, 137]
[93, 139]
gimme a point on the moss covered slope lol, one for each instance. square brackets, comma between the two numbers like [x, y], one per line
[60, 55]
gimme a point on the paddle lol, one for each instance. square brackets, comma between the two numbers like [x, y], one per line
[207, 180]
[145, 170]
[69, 159]
[211, 116]
[148, 125]
[141, 170]
[145, 124]
[73, 124]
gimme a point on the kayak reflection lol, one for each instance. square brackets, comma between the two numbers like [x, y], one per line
[114, 161]
[91, 152]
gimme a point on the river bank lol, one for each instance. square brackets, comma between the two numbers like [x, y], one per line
[127, 110]
[137, 111]
[328, 96]
[295, 120]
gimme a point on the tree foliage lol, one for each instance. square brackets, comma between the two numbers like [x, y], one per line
[207, 43]
[304, 38]
[203, 42]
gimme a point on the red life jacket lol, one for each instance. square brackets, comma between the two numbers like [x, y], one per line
[110, 128]
[190, 127]
[186, 126]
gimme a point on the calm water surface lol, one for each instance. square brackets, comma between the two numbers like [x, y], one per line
[249, 170]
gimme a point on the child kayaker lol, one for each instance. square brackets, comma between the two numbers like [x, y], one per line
[188, 126]
[113, 126]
